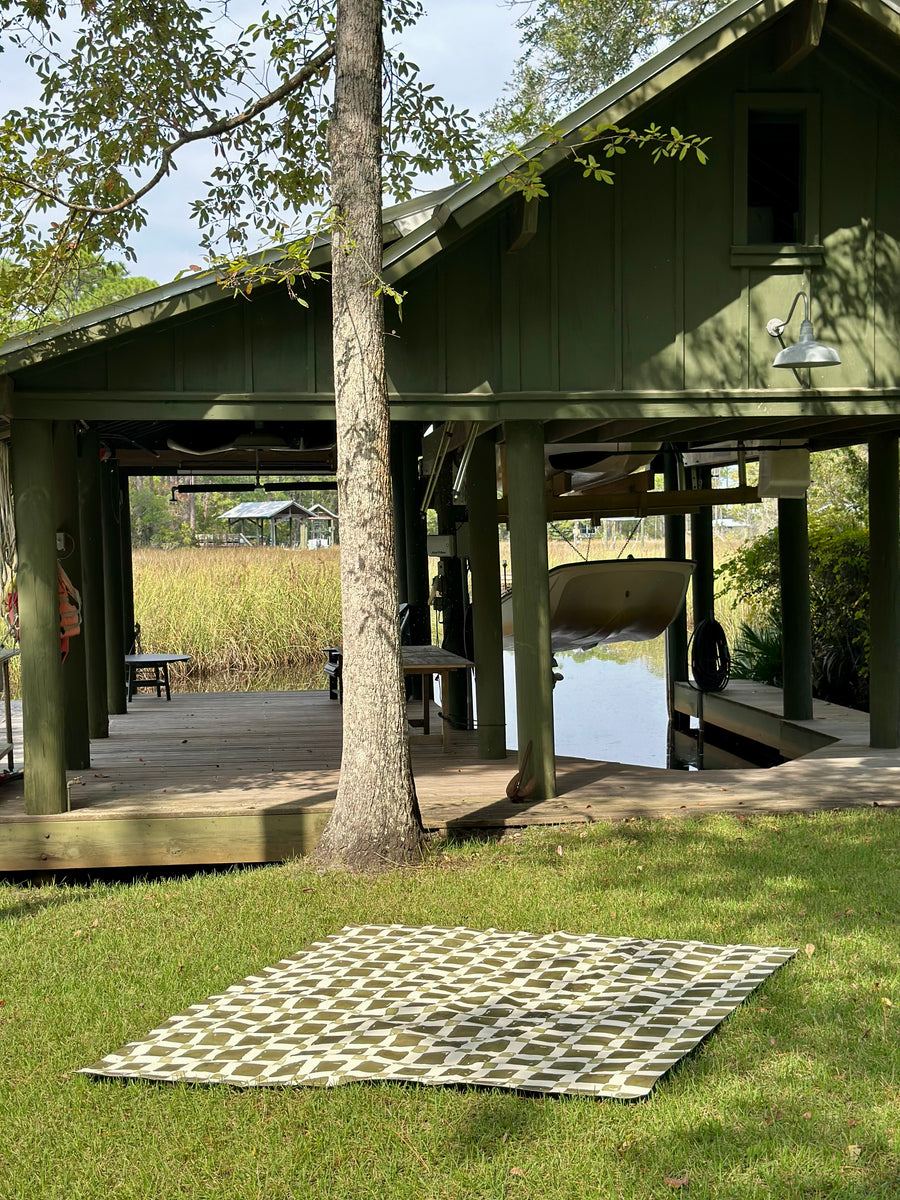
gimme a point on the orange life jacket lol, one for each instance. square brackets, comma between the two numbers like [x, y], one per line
[69, 609]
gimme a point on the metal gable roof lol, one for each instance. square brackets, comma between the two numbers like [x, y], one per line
[256, 509]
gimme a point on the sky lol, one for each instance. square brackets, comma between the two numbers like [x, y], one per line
[466, 48]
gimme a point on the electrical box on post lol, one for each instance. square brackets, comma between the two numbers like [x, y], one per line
[441, 545]
[784, 473]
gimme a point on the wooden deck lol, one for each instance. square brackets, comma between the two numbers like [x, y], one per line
[250, 777]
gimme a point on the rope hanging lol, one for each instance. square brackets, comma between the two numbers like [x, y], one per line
[710, 656]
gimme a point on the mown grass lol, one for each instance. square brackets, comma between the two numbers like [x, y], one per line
[794, 1096]
[238, 610]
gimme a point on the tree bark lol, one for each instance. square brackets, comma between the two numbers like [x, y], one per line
[375, 821]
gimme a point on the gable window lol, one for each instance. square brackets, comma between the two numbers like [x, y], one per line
[776, 180]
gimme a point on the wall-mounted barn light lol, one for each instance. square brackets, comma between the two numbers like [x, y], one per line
[807, 352]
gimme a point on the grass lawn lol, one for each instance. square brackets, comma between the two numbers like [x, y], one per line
[797, 1095]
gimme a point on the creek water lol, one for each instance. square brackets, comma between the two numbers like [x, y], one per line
[610, 705]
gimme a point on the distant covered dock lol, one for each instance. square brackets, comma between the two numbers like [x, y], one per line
[255, 523]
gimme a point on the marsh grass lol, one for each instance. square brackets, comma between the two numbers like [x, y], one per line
[794, 1096]
[237, 609]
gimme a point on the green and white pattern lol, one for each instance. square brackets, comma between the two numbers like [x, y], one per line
[555, 1012]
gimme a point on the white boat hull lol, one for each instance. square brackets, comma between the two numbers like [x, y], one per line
[621, 600]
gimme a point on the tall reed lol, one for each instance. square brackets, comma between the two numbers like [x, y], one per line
[238, 609]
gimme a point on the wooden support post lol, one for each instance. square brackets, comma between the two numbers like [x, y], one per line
[884, 597]
[676, 634]
[702, 583]
[531, 601]
[796, 636]
[487, 622]
[43, 707]
[454, 702]
[74, 669]
[93, 604]
[127, 564]
[112, 589]
[397, 496]
[416, 539]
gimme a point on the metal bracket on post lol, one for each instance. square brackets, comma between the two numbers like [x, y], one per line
[440, 455]
[460, 479]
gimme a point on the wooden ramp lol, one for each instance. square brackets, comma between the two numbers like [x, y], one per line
[250, 777]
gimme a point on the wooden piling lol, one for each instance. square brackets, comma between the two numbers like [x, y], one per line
[43, 707]
[531, 602]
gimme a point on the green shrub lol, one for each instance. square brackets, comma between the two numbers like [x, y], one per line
[756, 654]
[839, 604]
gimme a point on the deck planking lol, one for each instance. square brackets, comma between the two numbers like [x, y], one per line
[239, 777]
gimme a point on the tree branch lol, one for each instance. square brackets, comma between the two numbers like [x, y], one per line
[215, 129]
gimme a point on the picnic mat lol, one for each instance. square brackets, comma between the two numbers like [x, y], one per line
[555, 1012]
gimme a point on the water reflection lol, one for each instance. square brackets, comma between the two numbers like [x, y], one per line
[610, 706]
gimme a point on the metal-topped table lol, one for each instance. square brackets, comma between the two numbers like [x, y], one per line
[158, 664]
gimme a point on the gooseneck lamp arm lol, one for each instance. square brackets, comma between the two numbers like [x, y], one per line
[807, 352]
[776, 326]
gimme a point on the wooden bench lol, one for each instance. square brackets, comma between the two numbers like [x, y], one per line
[156, 667]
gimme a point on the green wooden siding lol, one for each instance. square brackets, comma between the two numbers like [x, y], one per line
[587, 336]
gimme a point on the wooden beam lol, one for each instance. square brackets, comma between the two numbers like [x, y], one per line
[487, 622]
[113, 588]
[72, 842]
[43, 708]
[676, 633]
[531, 603]
[638, 504]
[74, 669]
[884, 593]
[796, 637]
[572, 431]
[640, 483]
[94, 607]
[480, 404]
[799, 33]
[525, 223]
[702, 581]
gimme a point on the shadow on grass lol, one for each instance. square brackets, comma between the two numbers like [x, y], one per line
[27, 892]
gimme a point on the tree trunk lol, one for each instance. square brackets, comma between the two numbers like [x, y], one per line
[376, 818]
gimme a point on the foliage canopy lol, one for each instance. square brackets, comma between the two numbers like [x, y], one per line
[125, 87]
[88, 283]
[575, 48]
